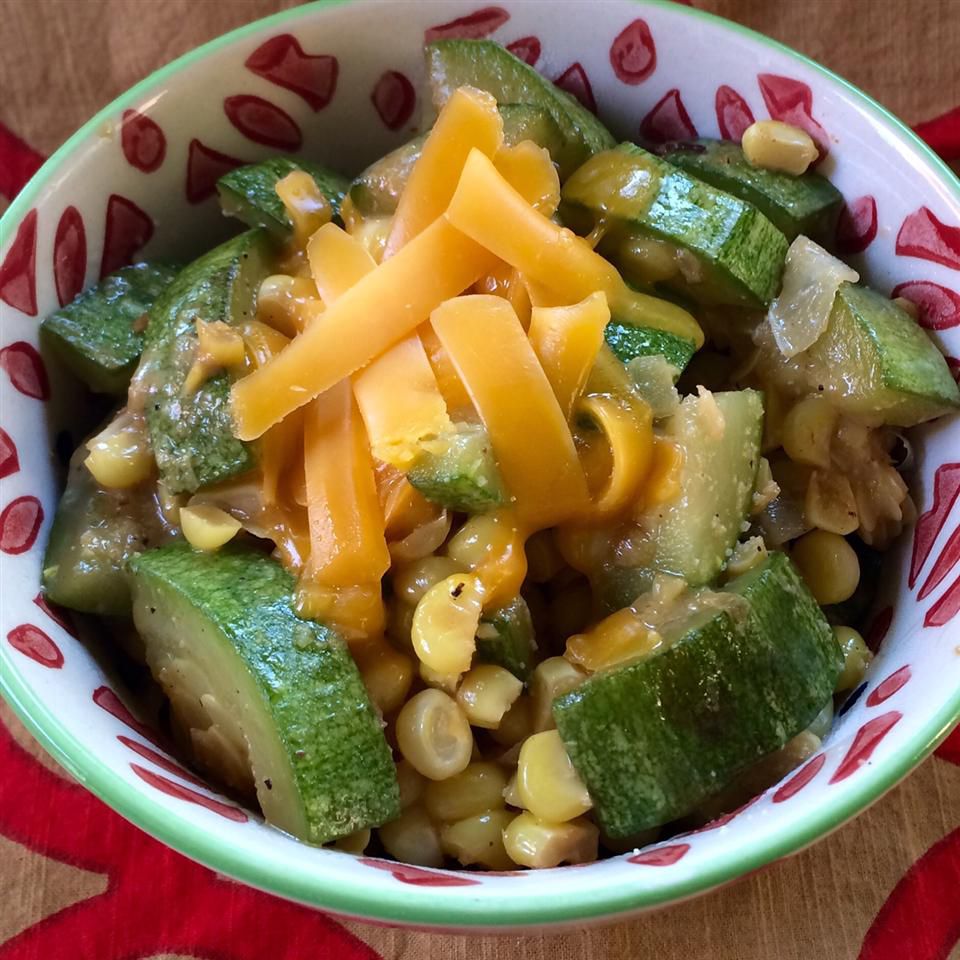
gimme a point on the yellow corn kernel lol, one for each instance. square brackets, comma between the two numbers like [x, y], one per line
[120, 456]
[412, 580]
[552, 678]
[412, 838]
[570, 607]
[478, 840]
[399, 623]
[220, 343]
[856, 657]
[492, 546]
[908, 306]
[207, 527]
[582, 547]
[306, 205]
[355, 842]
[479, 788]
[434, 735]
[646, 260]
[774, 145]
[830, 504]
[486, 693]
[549, 786]
[447, 682]
[515, 725]
[511, 793]
[620, 637]
[412, 784]
[808, 430]
[828, 564]
[285, 303]
[373, 233]
[532, 842]
[445, 624]
[387, 674]
[543, 558]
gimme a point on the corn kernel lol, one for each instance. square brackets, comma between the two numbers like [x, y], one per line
[478, 788]
[552, 678]
[306, 205]
[412, 784]
[445, 624]
[120, 456]
[399, 623]
[487, 693]
[532, 842]
[830, 504]
[387, 675]
[412, 580]
[774, 145]
[447, 682]
[478, 840]
[434, 735]
[492, 546]
[516, 723]
[582, 547]
[808, 430]
[543, 557]
[549, 786]
[856, 657]
[829, 565]
[287, 303]
[511, 793]
[207, 527]
[412, 838]
[355, 842]
[373, 233]
[908, 306]
[646, 260]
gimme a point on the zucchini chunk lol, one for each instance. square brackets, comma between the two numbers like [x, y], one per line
[192, 437]
[725, 251]
[506, 638]
[99, 334]
[653, 739]
[809, 204]
[250, 193]
[459, 471]
[268, 701]
[489, 66]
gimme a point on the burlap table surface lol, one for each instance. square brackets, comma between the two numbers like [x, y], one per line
[885, 886]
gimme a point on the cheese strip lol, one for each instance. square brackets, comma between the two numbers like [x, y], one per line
[404, 507]
[532, 172]
[529, 433]
[347, 544]
[377, 312]
[401, 403]
[337, 261]
[488, 209]
[469, 120]
[448, 380]
[566, 341]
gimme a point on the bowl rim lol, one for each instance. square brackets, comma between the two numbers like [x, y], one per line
[349, 896]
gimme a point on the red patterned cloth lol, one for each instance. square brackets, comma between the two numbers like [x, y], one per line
[77, 881]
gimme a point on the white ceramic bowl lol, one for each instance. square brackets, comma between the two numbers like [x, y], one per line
[343, 82]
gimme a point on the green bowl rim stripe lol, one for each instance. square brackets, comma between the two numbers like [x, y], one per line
[468, 906]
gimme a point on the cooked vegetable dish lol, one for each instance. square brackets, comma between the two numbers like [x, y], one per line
[513, 503]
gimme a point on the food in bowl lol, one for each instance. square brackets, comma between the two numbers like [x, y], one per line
[518, 499]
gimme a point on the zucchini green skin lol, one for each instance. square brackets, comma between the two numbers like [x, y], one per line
[376, 192]
[629, 342]
[874, 359]
[321, 763]
[489, 66]
[95, 334]
[94, 533]
[514, 644]
[192, 437]
[809, 204]
[653, 739]
[249, 193]
[740, 254]
[460, 472]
